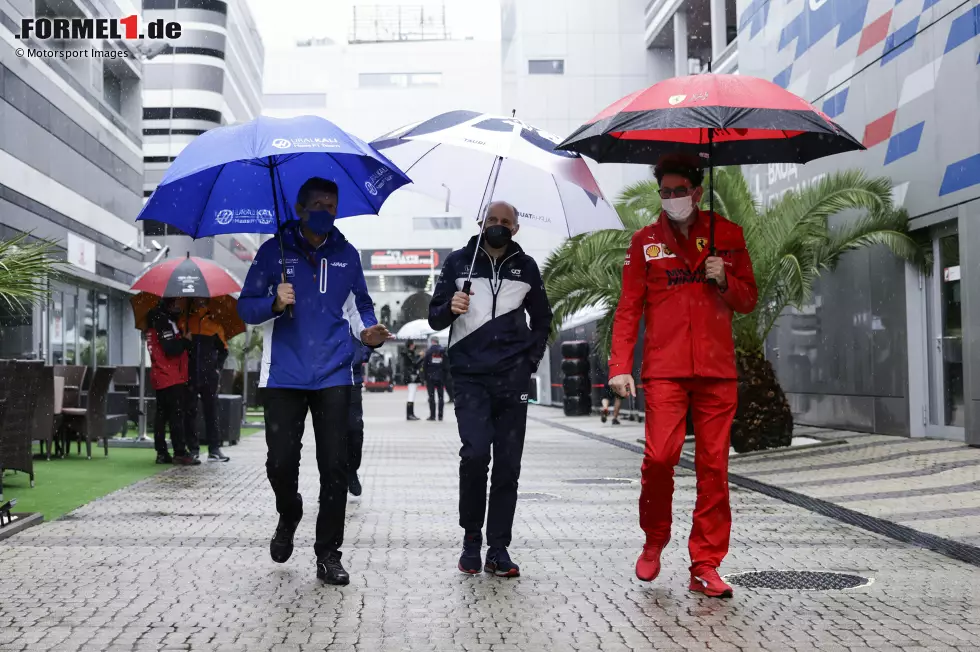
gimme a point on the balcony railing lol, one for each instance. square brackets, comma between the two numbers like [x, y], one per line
[397, 23]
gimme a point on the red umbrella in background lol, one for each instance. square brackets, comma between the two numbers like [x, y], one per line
[722, 119]
[188, 277]
[192, 278]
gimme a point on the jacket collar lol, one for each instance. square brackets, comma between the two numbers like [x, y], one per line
[293, 238]
[512, 248]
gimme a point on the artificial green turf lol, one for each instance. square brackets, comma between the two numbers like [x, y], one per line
[62, 485]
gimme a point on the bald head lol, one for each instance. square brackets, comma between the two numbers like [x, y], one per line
[503, 213]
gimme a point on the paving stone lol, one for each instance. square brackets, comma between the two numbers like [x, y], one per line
[180, 562]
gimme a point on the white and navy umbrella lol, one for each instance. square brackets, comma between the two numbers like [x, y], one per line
[462, 151]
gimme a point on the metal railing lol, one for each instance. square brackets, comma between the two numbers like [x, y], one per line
[397, 23]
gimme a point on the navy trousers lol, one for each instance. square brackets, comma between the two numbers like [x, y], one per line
[492, 416]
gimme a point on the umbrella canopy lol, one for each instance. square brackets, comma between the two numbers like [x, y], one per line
[187, 277]
[245, 178]
[733, 119]
[223, 311]
[420, 330]
[459, 151]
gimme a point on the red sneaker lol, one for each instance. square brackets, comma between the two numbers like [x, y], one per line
[708, 582]
[648, 565]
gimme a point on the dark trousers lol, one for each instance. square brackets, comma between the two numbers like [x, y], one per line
[169, 410]
[492, 416]
[207, 396]
[434, 387]
[285, 419]
[355, 430]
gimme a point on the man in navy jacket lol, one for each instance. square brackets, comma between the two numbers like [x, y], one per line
[308, 363]
[492, 354]
[433, 367]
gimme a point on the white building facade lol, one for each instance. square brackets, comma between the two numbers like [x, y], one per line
[210, 76]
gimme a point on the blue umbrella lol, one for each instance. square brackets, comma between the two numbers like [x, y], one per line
[245, 178]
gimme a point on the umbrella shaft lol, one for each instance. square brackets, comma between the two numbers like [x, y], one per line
[484, 205]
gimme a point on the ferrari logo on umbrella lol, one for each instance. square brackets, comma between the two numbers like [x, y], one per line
[676, 99]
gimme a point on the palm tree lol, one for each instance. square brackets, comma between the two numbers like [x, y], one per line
[791, 244]
[25, 269]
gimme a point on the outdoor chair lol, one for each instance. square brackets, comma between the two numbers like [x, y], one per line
[88, 423]
[47, 411]
[74, 376]
[16, 442]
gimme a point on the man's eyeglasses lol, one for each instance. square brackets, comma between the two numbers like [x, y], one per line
[680, 191]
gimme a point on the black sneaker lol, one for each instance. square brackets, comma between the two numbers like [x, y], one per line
[164, 458]
[499, 563]
[186, 460]
[469, 560]
[330, 570]
[615, 422]
[354, 485]
[217, 456]
[281, 546]
[431, 419]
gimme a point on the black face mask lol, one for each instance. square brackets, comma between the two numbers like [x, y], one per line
[498, 236]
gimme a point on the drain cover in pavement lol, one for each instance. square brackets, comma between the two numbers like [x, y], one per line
[789, 580]
[537, 496]
[601, 481]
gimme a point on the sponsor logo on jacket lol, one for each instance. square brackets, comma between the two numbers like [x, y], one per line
[657, 251]
[684, 277]
[338, 264]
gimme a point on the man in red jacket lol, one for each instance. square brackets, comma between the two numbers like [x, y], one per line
[168, 374]
[687, 297]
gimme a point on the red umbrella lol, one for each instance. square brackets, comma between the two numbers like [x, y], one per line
[727, 119]
[724, 119]
[187, 277]
[194, 278]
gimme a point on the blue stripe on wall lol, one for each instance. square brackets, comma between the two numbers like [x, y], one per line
[904, 143]
[960, 175]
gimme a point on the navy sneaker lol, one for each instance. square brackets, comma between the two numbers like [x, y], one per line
[469, 561]
[499, 564]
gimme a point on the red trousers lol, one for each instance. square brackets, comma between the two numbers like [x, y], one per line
[712, 404]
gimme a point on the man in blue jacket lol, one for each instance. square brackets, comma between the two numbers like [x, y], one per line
[492, 354]
[308, 363]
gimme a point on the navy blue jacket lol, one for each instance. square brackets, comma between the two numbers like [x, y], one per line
[314, 349]
[435, 359]
[361, 355]
[494, 336]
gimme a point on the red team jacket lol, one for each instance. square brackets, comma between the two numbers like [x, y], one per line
[688, 320]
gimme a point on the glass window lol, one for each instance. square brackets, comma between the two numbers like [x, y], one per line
[399, 79]
[111, 89]
[56, 329]
[70, 330]
[546, 67]
[295, 100]
[437, 223]
[101, 330]
[86, 330]
[16, 332]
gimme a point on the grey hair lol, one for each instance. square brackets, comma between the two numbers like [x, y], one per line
[513, 209]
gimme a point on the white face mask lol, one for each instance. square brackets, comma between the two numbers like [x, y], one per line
[679, 208]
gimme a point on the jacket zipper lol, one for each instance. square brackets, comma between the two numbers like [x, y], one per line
[495, 282]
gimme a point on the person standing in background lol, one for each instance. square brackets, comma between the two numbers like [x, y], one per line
[434, 368]
[207, 354]
[411, 367]
[168, 374]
